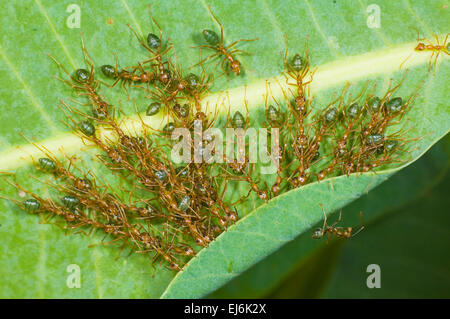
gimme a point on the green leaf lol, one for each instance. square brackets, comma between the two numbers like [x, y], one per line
[36, 256]
[274, 276]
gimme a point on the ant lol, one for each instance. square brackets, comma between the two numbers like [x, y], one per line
[341, 232]
[296, 71]
[127, 76]
[198, 87]
[154, 46]
[84, 80]
[170, 93]
[350, 116]
[162, 247]
[262, 194]
[216, 44]
[273, 115]
[436, 49]
[68, 210]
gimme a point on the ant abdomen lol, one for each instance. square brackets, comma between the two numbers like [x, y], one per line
[211, 37]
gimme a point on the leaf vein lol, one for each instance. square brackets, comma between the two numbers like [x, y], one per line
[28, 91]
[321, 32]
[57, 36]
[136, 23]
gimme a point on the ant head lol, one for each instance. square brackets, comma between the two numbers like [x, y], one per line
[200, 116]
[318, 233]
[420, 47]
[188, 251]
[232, 216]
[321, 175]
[276, 188]
[164, 77]
[174, 266]
[300, 102]
[199, 241]
[223, 222]
[146, 239]
[146, 77]
[302, 179]
[262, 195]
[83, 184]
[236, 67]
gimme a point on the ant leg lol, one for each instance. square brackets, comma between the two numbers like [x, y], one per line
[158, 55]
[418, 35]
[109, 85]
[87, 58]
[224, 190]
[137, 86]
[116, 60]
[240, 51]
[368, 186]
[431, 59]
[156, 23]
[286, 51]
[391, 91]
[69, 83]
[222, 65]
[81, 232]
[324, 217]
[340, 217]
[78, 102]
[165, 51]
[120, 251]
[140, 40]
[125, 88]
[435, 61]
[220, 25]
[139, 67]
[331, 184]
[206, 59]
[444, 44]
[437, 39]
[61, 66]
[115, 82]
[91, 231]
[290, 83]
[204, 46]
[111, 241]
[362, 225]
[241, 40]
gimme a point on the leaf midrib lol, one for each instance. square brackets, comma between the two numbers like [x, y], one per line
[328, 75]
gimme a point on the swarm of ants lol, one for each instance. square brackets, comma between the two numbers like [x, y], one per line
[185, 207]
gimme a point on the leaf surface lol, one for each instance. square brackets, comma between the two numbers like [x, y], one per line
[35, 257]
